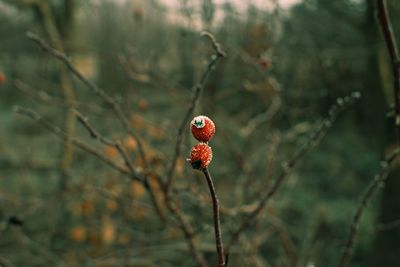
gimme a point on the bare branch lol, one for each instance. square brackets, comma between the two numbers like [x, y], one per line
[78, 143]
[197, 90]
[341, 105]
[378, 179]
[98, 91]
[386, 26]
[128, 162]
[44, 97]
[96, 135]
[188, 232]
[388, 226]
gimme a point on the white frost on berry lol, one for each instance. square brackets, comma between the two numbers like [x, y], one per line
[199, 121]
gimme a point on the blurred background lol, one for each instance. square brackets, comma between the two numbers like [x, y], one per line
[287, 63]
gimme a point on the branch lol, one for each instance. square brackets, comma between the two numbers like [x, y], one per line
[44, 97]
[379, 179]
[334, 112]
[95, 89]
[217, 223]
[96, 135]
[388, 226]
[188, 233]
[386, 26]
[197, 90]
[128, 162]
[77, 142]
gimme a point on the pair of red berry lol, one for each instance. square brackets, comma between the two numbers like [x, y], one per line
[203, 129]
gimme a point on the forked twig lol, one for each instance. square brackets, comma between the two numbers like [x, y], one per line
[98, 91]
[197, 90]
[128, 162]
[188, 233]
[77, 142]
[372, 188]
[334, 112]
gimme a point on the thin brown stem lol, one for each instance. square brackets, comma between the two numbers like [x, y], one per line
[378, 180]
[387, 30]
[334, 112]
[217, 223]
[197, 90]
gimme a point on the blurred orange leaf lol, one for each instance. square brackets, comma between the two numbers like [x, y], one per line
[137, 189]
[108, 230]
[111, 205]
[87, 207]
[110, 151]
[2, 79]
[78, 233]
[156, 132]
[123, 239]
[130, 143]
[143, 104]
[137, 121]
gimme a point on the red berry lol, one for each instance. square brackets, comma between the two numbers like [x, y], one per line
[201, 156]
[203, 128]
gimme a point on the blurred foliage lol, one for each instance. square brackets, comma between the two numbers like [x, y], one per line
[284, 69]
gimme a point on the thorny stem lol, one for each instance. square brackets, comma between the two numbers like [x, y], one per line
[387, 30]
[341, 105]
[379, 179]
[217, 223]
[197, 90]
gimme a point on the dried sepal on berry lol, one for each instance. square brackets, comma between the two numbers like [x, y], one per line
[201, 156]
[203, 128]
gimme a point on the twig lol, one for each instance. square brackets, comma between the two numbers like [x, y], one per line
[386, 26]
[214, 43]
[78, 143]
[217, 223]
[189, 234]
[66, 89]
[96, 135]
[48, 99]
[388, 226]
[372, 188]
[197, 90]
[128, 162]
[339, 107]
[98, 91]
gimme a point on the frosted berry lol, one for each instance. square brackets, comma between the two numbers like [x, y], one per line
[201, 156]
[203, 128]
